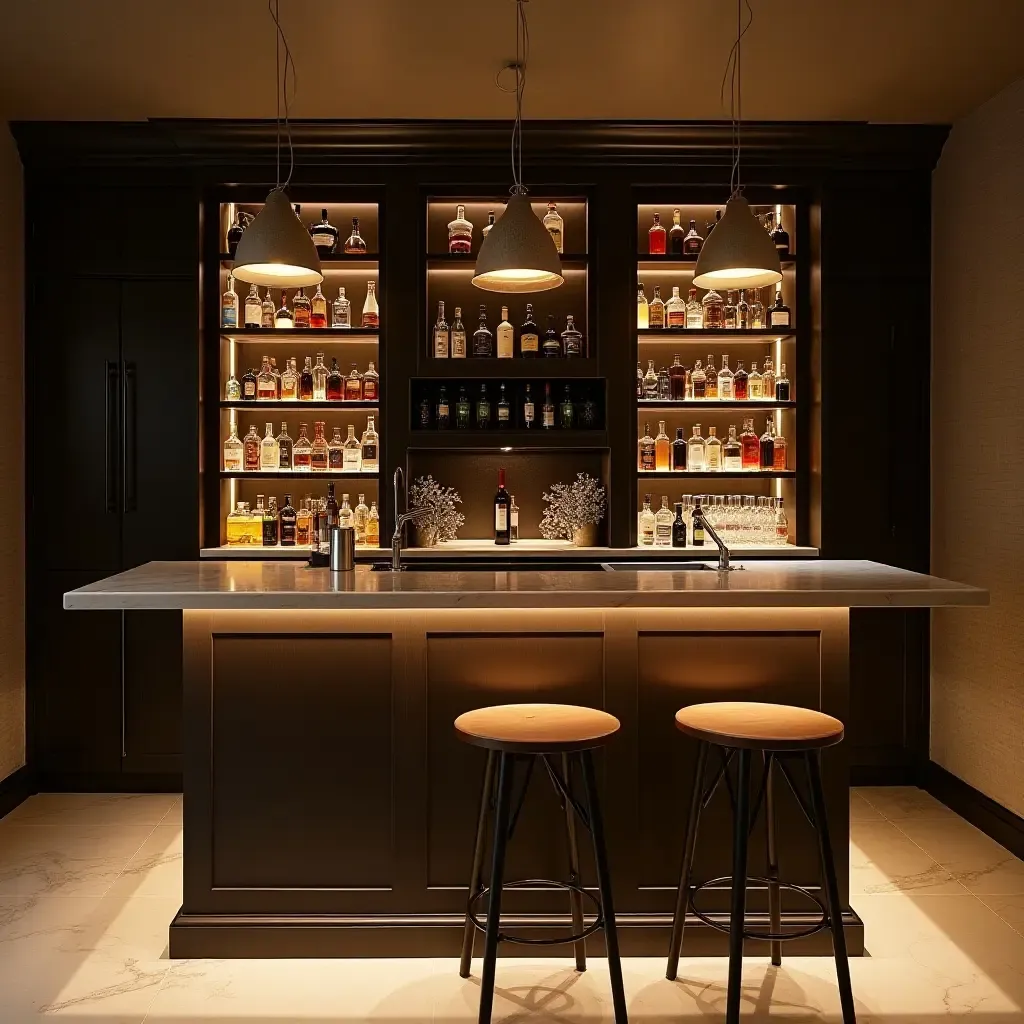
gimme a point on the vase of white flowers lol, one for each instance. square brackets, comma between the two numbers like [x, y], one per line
[574, 511]
[441, 520]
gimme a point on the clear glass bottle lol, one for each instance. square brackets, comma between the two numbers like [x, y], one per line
[341, 312]
[229, 305]
[767, 449]
[253, 309]
[572, 339]
[732, 452]
[768, 378]
[740, 382]
[679, 450]
[712, 310]
[303, 523]
[251, 454]
[373, 527]
[639, 381]
[354, 385]
[345, 512]
[656, 237]
[336, 452]
[646, 459]
[725, 378]
[729, 311]
[283, 318]
[320, 379]
[662, 449]
[743, 312]
[371, 311]
[676, 380]
[757, 311]
[656, 310]
[460, 232]
[302, 451]
[780, 454]
[713, 451]
[325, 236]
[663, 524]
[675, 310]
[458, 336]
[755, 383]
[277, 378]
[483, 340]
[318, 310]
[651, 382]
[354, 243]
[698, 381]
[318, 453]
[693, 242]
[284, 447]
[234, 450]
[352, 452]
[270, 450]
[486, 229]
[781, 523]
[237, 526]
[267, 311]
[513, 521]
[782, 389]
[694, 312]
[442, 339]
[553, 222]
[369, 455]
[371, 384]
[646, 524]
[301, 308]
[750, 450]
[232, 390]
[695, 451]
[505, 336]
[335, 383]
[676, 233]
[664, 385]
[359, 516]
[643, 317]
[266, 383]
[711, 375]
[290, 382]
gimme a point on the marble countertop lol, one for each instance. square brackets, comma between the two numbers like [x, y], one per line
[763, 583]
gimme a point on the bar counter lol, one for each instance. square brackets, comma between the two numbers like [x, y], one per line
[330, 810]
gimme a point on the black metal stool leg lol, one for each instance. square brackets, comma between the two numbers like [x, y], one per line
[575, 899]
[740, 833]
[683, 896]
[486, 795]
[828, 870]
[774, 895]
[506, 770]
[605, 884]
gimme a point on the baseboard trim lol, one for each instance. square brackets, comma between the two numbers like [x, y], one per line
[113, 782]
[16, 789]
[882, 775]
[995, 820]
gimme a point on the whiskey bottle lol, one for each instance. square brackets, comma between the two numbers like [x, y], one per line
[442, 339]
[371, 311]
[458, 336]
[675, 310]
[236, 231]
[462, 410]
[768, 378]
[663, 524]
[780, 236]
[371, 384]
[664, 385]
[283, 318]
[229, 305]
[303, 523]
[547, 412]
[354, 385]
[679, 451]
[506, 336]
[782, 391]
[694, 313]
[757, 311]
[781, 451]
[483, 409]
[277, 378]
[778, 315]
[679, 527]
[529, 411]
[318, 449]
[713, 313]
[318, 312]
[251, 453]
[483, 340]
[646, 459]
[460, 232]
[302, 452]
[352, 452]
[650, 383]
[676, 380]
[732, 452]
[320, 379]
[572, 339]
[249, 379]
[645, 524]
[656, 237]
[271, 528]
[713, 451]
[331, 507]
[566, 410]
[551, 346]
[639, 381]
[335, 383]
[529, 336]
[553, 222]
[698, 525]
[750, 449]
[643, 310]
[504, 410]
[743, 312]
[695, 451]
[306, 381]
[301, 309]
[698, 381]
[729, 312]
[711, 378]
[656, 312]
[284, 446]
[755, 383]
[267, 312]
[725, 379]
[234, 451]
[336, 452]
[266, 383]
[369, 448]
[767, 452]
[740, 381]
[781, 523]
[373, 527]
[325, 236]
[502, 503]
[443, 416]
[359, 516]
[232, 390]
[676, 233]
[354, 243]
[341, 312]
[692, 243]
[270, 452]
[253, 309]
[290, 382]
[662, 449]
[513, 518]
[288, 523]
[486, 229]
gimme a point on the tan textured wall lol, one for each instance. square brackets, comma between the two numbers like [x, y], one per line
[977, 684]
[12, 468]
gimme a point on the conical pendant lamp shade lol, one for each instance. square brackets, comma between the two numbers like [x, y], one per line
[739, 253]
[276, 250]
[518, 254]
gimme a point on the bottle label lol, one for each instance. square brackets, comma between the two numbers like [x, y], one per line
[711, 453]
[572, 344]
[528, 412]
[500, 518]
[229, 316]
[503, 414]
[369, 390]
[549, 417]
[253, 316]
[647, 462]
[529, 342]
[458, 344]
[369, 452]
[505, 342]
[442, 411]
[556, 236]
[483, 411]
[780, 318]
[440, 344]
[323, 238]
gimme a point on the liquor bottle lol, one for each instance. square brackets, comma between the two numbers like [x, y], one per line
[711, 308]
[352, 452]
[676, 234]
[566, 411]
[698, 381]
[306, 381]
[318, 312]
[302, 451]
[373, 526]
[663, 525]
[229, 305]
[780, 236]
[335, 383]
[320, 379]
[767, 453]
[235, 232]
[369, 453]
[277, 378]
[553, 222]
[325, 236]
[688, 386]
[502, 504]
[547, 420]
[768, 221]
[318, 524]
[331, 506]
[271, 530]
[341, 311]
[778, 315]
[755, 383]
[740, 383]
[750, 448]
[732, 452]
[284, 447]
[253, 309]
[725, 380]
[743, 312]
[354, 243]
[345, 513]
[643, 310]
[318, 449]
[462, 410]
[298, 212]
[460, 232]
[551, 346]
[483, 409]
[664, 385]
[483, 340]
[646, 460]
[679, 450]
[692, 243]
[288, 518]
[458, 336]
[768, 378]
[572, 339]
[371, 311]
[504, 410]
[266, 383]
[442, 339]
[283, 318]
[486, 229]
[662, 448]
[267, 312]
[234, 451]
[301, 308]
[506, 336]
[371, 384]
[232, 390]
[290, 382]
[675, 309]
[529, 412]
[529, 335]
[698, 526]
[270, 453]
[237, 526]
[757, 311]
[781, 524]
[248, 387]
[645, 524]
[656, 313]
[696, 451]
[781, 451]
[251, 454]
[656, 237]
[359, 516]
[303, 523]
[677, 380]
[639, 381]
[354, 385]
[650, 383]
[782, 392]
[694, 313]
[513, 521]
[711, 378]
[336, 452]
[679, 528]
[443, 416]
[729, 311]
[713, 451]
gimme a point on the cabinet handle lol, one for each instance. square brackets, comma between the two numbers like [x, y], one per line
[130, 438]
[111, 437]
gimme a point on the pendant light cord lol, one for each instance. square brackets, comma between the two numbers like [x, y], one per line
[734, 74]
[281, 83]
[522, 56]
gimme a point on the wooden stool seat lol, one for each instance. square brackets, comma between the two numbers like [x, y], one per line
[540, 728]
[754, 726]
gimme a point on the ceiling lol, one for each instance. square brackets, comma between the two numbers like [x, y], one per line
[870, 60]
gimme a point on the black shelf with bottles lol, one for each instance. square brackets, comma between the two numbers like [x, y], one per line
[301, 334]
[711, 404]
[716, 474]
[467, 260]
[495, 439]
[256, 406]
[690, 261]
[284, 474]
[496, 370]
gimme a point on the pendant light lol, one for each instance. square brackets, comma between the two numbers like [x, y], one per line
[739, 253]
[518, 254]
[275, 249]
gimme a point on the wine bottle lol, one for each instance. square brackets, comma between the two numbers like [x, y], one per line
[502, 507]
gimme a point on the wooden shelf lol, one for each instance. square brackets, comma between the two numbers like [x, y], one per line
[658, 405]
[468, 260]
[276, 474]
[690, 261]
[741, 474]
[339, 258]
[330, 335]
[507, 369]
[761, 334]
[269, 406]
[474, 438]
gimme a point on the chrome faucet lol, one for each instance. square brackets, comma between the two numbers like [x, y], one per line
[724, 565]
[401, 518]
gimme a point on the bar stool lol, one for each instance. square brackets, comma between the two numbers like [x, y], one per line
[557, 736]
[783, 734]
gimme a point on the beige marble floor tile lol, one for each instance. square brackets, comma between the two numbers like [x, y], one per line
[174, 813]
[92, 809]
[884, 860]
[1009, 908]
[155, 870]
[861, 809]
[899, 802]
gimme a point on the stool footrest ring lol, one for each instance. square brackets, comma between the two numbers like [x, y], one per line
[541, 884]
[725, 881]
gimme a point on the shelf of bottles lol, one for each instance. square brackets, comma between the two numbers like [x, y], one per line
[300, 386]
[715, 398]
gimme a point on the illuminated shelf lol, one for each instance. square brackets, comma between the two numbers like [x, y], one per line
[738, 474]
[759, 334]
[339, 258]
[332, 335]
[468, 260]
[475, 439]
[690, 261]
[660, 404]
[277, 474]
[268, 406]
[538, 368]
